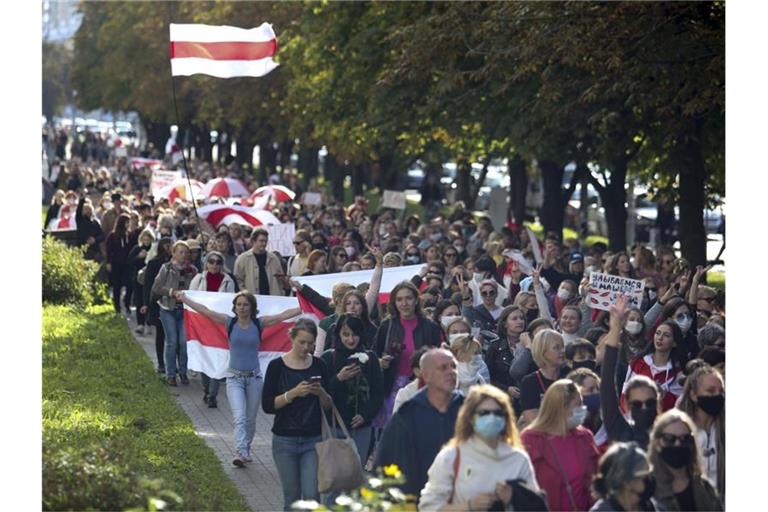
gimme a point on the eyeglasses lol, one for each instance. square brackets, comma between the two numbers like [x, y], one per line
[499, 413]
[671, 439]
[490, 293]
[648, 404]
[215, 262]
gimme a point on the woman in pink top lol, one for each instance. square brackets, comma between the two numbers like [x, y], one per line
[563, 452]
[400, 335]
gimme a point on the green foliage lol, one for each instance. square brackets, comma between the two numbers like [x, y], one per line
[57, 61]
[716, 280]
[99, 479]
[381, 492]
[113, 437]
[67, 277]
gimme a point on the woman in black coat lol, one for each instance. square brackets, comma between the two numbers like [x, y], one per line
[150, 307]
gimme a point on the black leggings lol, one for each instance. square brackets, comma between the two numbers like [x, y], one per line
[159, 344]
[120, 277]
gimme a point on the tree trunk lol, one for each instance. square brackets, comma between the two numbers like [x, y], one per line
[388, 179]
[480, 181]
[286, 148]
[308, 164]
[518, 188]
[204, 144]
[245, 145]
[157, 135]
[464, 183]
[552, 209]
[267, 160]
[357, 180]
[693, 174]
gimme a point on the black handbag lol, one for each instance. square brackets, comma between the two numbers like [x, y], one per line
[525, 497]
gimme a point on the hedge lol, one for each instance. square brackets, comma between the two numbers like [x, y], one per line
[113, 438]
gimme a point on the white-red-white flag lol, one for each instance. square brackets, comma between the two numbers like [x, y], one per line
[391, 276]
[207, 343]
[221, 50]
[217, 214]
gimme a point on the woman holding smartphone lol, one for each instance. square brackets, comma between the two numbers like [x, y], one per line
[294, 391]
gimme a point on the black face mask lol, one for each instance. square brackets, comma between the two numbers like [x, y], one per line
[643, 418]
[712, 405]
[650, 489]
[531, 315]
[585, 364]
[676, 456]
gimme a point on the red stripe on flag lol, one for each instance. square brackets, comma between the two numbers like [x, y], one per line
[224, 50]
[309, 308]
[211, 334]
[215, 217]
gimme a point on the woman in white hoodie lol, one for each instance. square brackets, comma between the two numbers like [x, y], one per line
[471, 472]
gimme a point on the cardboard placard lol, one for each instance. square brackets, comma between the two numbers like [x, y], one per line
[604, 289]
[281, 238]
[393, 199]
[161, 179]
[313, 199]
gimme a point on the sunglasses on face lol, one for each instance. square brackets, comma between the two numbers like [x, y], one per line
[648, 404]
[671, 439]
[499, 413]
[490, 293]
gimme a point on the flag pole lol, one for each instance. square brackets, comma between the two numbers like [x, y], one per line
[184, 160]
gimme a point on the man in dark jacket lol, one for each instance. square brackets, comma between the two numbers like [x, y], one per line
[423, 424]
[88, 229]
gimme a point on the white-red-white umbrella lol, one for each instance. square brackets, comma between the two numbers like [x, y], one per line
[276, 193]
[179, 189]
[225, 187]
[217, 214]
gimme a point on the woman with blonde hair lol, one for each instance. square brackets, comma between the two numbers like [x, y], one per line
[674, 455]
[562, 451]
[472, 470]
[703, 399]
[548, 353]
[469, 362]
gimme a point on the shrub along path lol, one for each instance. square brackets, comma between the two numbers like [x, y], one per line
[108, 421]
[258, 482]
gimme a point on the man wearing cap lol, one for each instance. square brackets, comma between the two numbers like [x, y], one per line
[554, 277]
[109, 218]
[257, 270]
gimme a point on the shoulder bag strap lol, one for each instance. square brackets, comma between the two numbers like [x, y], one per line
[456, 463]
[325, 429]
[565, 476]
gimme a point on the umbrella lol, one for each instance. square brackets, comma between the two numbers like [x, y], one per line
[179, 188]
[277, 193]
[225, 187]
[217, 214]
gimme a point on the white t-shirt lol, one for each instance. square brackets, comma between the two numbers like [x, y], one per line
[707, 442]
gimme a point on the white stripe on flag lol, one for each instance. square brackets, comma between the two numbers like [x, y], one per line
[323, 284]
[198, 33]
[222, 68]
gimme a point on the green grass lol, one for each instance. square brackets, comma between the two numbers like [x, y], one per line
[101, 391]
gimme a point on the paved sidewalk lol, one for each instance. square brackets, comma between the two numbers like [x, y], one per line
[258, 481]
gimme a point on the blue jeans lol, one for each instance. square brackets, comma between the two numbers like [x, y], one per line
[296, 462]
[173, 326]
[244, 395]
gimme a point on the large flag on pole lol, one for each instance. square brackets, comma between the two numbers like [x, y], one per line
[222, 51]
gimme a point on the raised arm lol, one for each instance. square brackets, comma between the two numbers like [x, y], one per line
[541, 299]
[372, 295]
[614, 422]
[268, 320]
[215, 316]
[693, 293]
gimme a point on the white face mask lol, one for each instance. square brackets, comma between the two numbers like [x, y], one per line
[633, 327]
[445, 320]
[563, 294]
[651, 295]
[478, 276]
[453, 337]
[349, 250]
[684, 323]
[577, 417]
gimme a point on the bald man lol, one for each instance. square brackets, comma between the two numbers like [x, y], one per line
[423, 424]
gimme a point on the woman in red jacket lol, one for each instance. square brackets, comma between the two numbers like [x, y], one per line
[563, 452]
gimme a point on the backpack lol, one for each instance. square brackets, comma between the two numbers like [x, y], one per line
[232, 323]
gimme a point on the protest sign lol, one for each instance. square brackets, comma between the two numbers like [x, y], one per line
[535, 246]
[161, 179]
[281, 238]
[313, 199]
[604, 289]
[121, 151]
[393, 199]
